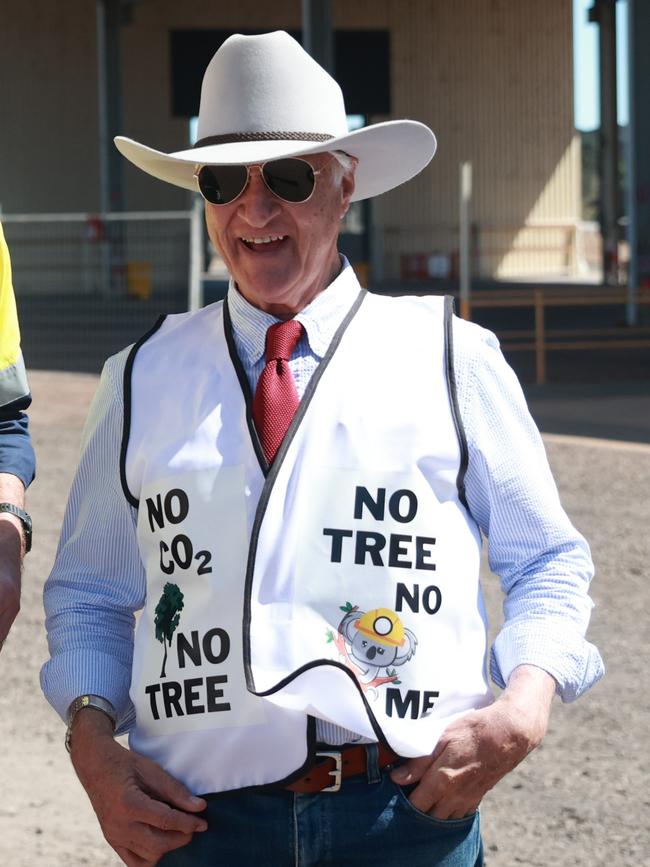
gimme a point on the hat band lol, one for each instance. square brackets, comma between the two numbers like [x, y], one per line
[231, 137]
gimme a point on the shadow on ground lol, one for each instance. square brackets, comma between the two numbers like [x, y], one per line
[609, 410]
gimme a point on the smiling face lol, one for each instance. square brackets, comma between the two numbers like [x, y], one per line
[282, 255]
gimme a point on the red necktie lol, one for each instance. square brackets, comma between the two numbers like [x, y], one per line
[276, 399]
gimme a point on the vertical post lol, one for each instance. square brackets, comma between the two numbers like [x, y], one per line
[317, 32]
[104, 281]
[631, 307]
[603, 13]
[102, 108]
[109, 22]
[195, 283]
[464, 264]
[377, 252]
[540, 338]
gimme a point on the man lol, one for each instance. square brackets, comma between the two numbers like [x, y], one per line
[16, 453]
[291, 486]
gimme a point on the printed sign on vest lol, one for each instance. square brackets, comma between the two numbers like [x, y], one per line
[378, 588]
[188, 665]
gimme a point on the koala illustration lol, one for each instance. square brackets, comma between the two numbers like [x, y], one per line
[376, 640]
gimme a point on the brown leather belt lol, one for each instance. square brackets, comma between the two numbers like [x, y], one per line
[337, 765]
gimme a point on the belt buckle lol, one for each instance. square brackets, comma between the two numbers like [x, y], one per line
[337, 772]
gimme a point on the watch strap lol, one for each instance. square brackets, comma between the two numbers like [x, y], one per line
[12, 509]
[95, 702]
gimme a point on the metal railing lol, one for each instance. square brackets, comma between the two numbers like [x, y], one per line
[88, 284]
[535, 249]
[111, 253]
[542, 340]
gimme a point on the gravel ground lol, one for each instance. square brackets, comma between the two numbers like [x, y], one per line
[581, 799]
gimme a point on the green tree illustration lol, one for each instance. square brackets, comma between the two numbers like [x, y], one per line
[167, 616]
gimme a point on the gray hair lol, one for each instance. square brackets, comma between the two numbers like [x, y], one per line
[346, 163]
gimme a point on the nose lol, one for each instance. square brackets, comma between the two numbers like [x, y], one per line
[257, 204]
[371, 653]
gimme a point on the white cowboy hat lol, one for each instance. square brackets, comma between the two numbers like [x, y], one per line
[263, 97]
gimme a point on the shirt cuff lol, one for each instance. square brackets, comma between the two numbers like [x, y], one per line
[573, 662]
[71, 674]
[16, 451]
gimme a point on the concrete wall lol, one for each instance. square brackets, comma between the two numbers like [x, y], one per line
[48, 100]
[493, 78]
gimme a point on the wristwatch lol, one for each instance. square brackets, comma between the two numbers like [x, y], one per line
[96, 702]
[24, 517]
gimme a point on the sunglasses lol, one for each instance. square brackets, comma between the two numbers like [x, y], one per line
[291, 179]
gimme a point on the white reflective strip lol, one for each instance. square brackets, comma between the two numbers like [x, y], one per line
[13, 382]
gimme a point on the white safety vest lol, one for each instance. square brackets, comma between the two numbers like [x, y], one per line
[341, 584]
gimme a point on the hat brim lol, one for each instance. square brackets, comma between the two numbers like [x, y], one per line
[389, 154]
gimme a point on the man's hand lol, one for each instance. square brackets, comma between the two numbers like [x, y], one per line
[478, 749]
[142, 810]
[11, 552]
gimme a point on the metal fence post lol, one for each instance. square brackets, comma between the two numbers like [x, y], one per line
[540, 338]
[195, 290]
[464, 241]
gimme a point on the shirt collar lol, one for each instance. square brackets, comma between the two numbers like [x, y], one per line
[320, 318]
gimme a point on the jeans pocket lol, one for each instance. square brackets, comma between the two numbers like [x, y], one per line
[450, 825]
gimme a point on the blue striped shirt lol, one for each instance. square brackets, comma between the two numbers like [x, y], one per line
[98, 582]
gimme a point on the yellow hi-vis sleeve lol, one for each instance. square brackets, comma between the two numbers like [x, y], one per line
[13, 380]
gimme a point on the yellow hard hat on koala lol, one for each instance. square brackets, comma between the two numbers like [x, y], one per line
[383, 626]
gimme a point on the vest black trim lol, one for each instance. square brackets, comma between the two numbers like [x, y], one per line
[126, 424]
[306, 398]
[309, 392]
[261, 509]
[453, 399]
[245, 387]
[272, 474]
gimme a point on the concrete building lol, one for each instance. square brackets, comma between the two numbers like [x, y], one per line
[491, 77]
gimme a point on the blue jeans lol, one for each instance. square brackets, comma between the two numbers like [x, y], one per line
[368, 823]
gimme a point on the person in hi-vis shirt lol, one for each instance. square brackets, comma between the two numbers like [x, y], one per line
[16, 453]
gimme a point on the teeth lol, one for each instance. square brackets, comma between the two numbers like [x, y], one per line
[265, 240]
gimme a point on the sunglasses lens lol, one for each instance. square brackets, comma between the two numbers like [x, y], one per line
[221, 184]
[289, 179]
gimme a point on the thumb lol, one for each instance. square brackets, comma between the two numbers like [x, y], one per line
[411, 771]
[168, 789]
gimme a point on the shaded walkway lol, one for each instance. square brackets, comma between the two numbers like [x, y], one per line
[609, 410]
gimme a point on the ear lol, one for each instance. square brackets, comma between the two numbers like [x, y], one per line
[347, 189]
